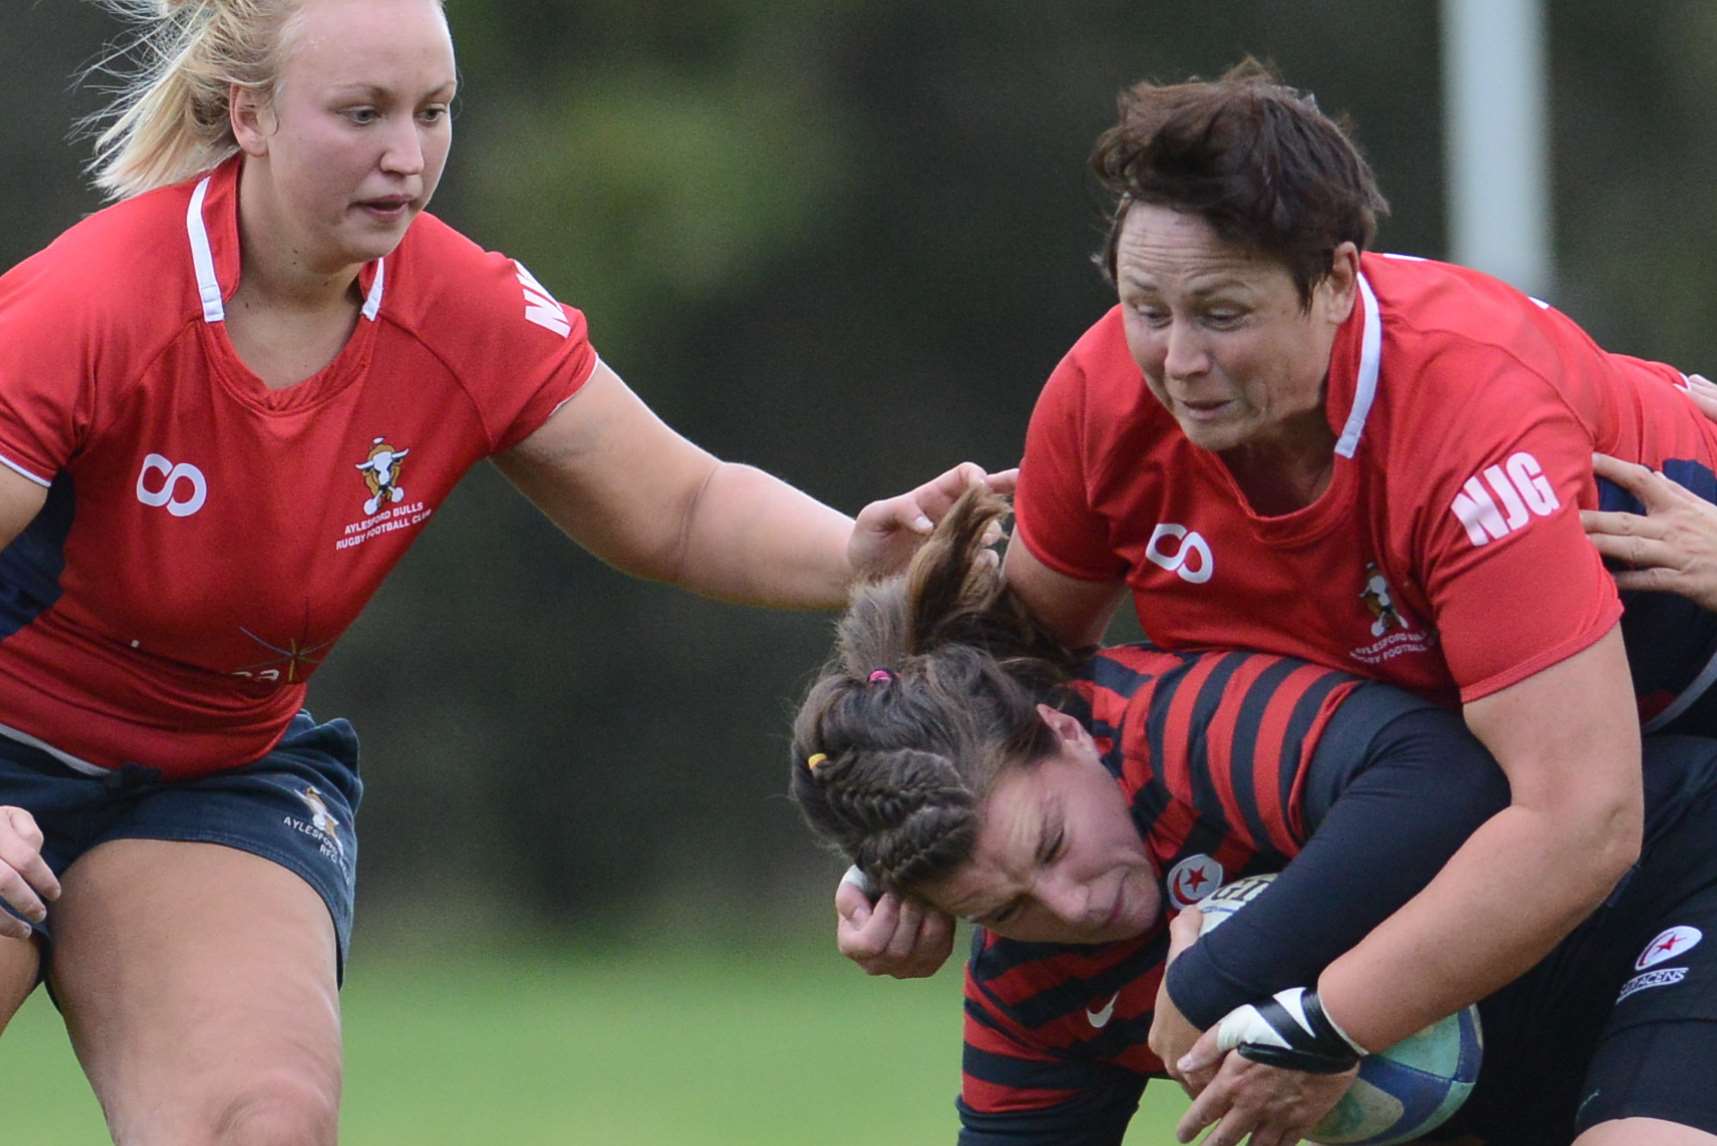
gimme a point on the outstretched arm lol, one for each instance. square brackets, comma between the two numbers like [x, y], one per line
[623, 484]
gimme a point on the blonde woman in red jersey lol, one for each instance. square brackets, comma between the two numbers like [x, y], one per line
[256, 376]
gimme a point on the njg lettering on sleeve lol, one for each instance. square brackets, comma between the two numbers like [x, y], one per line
[1504, 499]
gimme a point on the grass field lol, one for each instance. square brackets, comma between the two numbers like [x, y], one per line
[542, 1045]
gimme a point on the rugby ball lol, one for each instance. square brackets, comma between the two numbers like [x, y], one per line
[1403, 1091]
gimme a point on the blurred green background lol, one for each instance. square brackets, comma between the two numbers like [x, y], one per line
[846, 242]
[552, 1044]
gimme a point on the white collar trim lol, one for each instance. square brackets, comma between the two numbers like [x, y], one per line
[1365, 388]
[203, 259]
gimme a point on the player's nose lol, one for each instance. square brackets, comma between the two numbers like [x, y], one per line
[1068, 900]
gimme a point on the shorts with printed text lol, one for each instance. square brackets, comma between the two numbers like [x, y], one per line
[296, 807]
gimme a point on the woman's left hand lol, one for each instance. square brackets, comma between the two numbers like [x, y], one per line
[1276, 1107]
[888, 532]
[1672, 548]
[1172, 1036]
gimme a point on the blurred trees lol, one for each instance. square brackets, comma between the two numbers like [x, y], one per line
[844, 241]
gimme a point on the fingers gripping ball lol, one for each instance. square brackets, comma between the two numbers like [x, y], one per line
[860, 879]
[1402, 1092]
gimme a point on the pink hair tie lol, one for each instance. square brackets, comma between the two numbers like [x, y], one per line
[881, 676]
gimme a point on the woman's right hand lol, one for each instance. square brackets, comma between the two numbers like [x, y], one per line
[26, 883]
[897, 937]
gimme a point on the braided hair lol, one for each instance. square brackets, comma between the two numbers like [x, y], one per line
[931, 692]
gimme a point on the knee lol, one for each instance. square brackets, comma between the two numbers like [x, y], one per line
[276, 1110]
[270, 1108]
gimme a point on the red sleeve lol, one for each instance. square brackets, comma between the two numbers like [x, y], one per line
[517, 351]
[1495, 489]
[48, 363]
[538, 358]
[1053, 511]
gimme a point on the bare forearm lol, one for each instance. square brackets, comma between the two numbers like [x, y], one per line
[752, 538]
[624, 485]
[1568, 741]
[1519, 885]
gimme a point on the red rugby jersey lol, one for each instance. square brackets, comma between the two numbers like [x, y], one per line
[206, 539]
[1446, 556]
[1048, 1024]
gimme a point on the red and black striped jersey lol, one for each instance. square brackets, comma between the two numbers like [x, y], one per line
[1210, 749]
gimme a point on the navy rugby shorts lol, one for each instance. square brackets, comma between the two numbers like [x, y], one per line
[296, 806]
[1620, 1021]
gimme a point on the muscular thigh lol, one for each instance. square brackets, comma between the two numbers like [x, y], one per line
[194, 979]
[17, 976]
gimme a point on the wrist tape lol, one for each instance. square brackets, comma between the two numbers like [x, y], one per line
[1289, 1031]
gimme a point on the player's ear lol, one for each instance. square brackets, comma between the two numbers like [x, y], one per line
[1066, 728]
[1334, 296]
[250, 113]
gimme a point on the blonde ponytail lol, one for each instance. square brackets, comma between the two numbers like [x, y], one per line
[170, 118]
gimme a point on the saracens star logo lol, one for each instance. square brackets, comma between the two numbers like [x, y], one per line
[1192, 879]
[1668, 944]
[381, 474]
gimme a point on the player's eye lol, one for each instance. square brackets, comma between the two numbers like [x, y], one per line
[1054, 846]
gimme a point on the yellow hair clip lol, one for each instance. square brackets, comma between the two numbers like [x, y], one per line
[816, 759]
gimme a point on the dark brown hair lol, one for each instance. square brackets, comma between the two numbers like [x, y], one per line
[1253, 157]
[931, 691]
